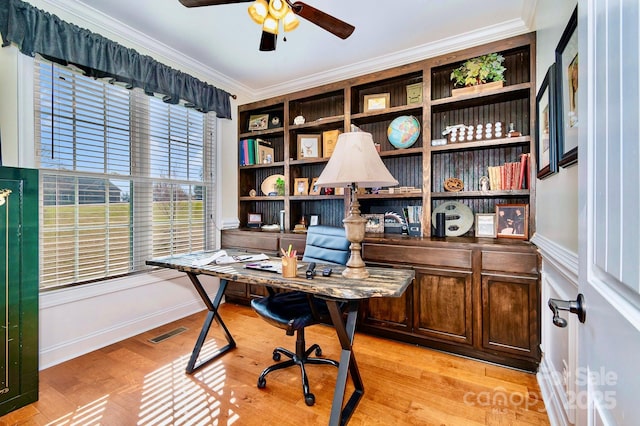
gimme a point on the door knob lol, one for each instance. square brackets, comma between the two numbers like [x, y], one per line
[574, 306]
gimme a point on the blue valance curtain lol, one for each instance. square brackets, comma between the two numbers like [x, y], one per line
[35, 31]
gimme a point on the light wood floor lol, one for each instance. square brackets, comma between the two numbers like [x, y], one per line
[136, 382]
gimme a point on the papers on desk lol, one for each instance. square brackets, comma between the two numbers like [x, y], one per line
[221, 257]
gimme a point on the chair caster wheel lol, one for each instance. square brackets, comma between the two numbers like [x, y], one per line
[318, 352]
[262, 383]
[309, 399]
[276, 356]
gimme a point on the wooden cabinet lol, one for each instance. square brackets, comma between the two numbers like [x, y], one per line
[19, 234]
[478, 298]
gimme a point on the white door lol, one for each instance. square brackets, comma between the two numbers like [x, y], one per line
[608, 376]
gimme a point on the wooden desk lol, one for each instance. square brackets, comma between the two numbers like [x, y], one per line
[383, 282]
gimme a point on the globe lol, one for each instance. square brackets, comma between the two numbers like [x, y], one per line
[403, 131]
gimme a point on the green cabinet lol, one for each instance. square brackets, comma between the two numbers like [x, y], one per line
[19, 270]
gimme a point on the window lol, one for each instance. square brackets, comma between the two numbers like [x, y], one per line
[124, 177]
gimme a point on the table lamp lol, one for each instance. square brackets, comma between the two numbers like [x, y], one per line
[355, 163]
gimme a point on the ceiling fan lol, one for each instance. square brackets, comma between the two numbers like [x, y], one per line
[264, 14]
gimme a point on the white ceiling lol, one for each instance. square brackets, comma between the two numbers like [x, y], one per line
[224, 41]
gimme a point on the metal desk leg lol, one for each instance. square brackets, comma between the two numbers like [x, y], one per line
[213, 313]
[345, 331]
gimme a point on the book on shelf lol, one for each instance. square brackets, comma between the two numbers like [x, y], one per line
[510, 175]
[255, 151]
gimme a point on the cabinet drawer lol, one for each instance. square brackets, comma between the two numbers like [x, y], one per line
[250, 240]
[387, 253]
[503, 261]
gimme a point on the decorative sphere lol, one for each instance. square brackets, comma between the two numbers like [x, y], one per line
[403, 131]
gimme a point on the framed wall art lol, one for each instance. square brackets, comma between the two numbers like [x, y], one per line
[301, 186]
[309, 146]
[568, 90]
[376, 102]
[512, 221]
[546, 126]
[258, 122]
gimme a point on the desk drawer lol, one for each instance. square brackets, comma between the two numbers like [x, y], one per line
[388, 253]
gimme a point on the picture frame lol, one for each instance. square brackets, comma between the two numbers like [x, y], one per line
[485, 225]
[254, 220]
[309, 146]
[376, 102]
[546, 148]
[375, 223]
[313, 189]
[301, 186]
[414, 93]
[512, 221]
[314, 219]
[568, 91]
[258, 122]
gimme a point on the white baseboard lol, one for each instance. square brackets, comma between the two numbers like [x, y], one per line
[551, 394]
[87, 343]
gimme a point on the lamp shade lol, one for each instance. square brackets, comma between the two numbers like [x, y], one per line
[258, 11]
[355, 160]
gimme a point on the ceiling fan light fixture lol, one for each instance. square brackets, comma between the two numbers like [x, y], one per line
[258, 11]
[290, 21]
[278, 8]
[270, 25]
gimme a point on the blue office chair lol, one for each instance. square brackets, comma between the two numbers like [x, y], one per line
[293, 311]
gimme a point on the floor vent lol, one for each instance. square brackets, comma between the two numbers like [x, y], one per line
[165, 336]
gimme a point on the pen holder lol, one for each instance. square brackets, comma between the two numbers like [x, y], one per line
[289, 267]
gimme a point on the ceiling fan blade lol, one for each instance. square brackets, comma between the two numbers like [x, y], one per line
[198, 3]
[322, 19]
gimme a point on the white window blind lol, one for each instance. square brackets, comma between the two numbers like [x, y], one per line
[124, 177]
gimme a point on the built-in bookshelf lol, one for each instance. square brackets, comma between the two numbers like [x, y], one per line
[425, 166]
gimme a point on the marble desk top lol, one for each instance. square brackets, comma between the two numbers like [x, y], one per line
[382, 282]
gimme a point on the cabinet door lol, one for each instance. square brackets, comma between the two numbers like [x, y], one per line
[388, 313]
[510, 315]
[443, 306]
[19, 270]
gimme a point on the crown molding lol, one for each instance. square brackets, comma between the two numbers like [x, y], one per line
[447, 45]
[83, 15]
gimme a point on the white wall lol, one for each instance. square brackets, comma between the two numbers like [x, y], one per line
[557, 238]
[80, 319]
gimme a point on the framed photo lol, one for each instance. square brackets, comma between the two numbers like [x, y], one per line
[314, 219]
[314, 189]
[512, 221]
[567, 86]
[486, 225]
[254, 220]
[376, 102]
[546, 129]
[414, 93]
[259, 122]
[309, 146]
[301, 186]
[375, 223]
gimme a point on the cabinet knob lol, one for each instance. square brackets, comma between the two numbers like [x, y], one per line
[574, 306]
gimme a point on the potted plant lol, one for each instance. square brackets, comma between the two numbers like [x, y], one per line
[280, 186]
[479, 71]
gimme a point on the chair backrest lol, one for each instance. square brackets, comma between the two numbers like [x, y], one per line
[326, 244]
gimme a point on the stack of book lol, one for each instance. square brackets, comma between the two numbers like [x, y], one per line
[510, 175]
[255, 151]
